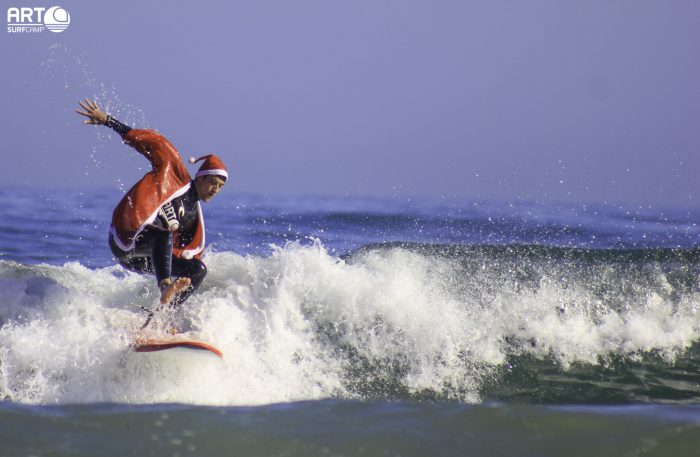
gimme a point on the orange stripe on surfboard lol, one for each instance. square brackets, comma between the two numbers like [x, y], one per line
[162, 345]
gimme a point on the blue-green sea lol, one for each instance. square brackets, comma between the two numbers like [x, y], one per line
[358, 326]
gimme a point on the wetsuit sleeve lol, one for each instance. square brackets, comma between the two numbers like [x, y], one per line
[121, 129]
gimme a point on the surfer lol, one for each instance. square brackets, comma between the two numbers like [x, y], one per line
[158, 227]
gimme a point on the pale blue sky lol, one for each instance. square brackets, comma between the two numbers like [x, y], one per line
[582, 101]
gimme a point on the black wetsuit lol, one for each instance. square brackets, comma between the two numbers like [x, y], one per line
[153, 251]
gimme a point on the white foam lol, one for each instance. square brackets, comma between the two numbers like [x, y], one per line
[66, 329]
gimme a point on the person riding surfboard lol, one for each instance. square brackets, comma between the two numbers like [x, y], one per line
[158, 226]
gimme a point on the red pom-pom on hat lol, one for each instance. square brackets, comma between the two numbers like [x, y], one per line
[212, 166]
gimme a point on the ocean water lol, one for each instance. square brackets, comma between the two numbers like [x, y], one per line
[358, 326]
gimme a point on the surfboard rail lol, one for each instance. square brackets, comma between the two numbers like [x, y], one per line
[154, 345]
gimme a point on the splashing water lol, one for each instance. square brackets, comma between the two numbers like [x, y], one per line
[386, 322]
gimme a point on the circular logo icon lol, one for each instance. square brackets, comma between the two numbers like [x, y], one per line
[56, 19]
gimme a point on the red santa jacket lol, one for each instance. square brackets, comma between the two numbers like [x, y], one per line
[168, 179]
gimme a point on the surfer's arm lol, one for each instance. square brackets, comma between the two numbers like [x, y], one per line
[156, 148]
[95, 116]
[121, 129]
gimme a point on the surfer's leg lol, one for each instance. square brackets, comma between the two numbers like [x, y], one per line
[195, 270]
[152, 253]
[131, 260]
[160, 241]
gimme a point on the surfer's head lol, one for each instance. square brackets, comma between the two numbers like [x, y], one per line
[210, 177]
[208, 186]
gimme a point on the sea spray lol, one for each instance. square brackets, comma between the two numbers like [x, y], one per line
[393, 321]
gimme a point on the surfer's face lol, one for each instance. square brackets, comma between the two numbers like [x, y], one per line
[208, 186]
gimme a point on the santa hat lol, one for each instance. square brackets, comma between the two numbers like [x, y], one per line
[212, 166]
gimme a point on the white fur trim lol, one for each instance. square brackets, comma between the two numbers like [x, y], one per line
[213, 171]
[189, 253]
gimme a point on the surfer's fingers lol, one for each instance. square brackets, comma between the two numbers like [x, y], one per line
[86, 114]
[90, 120]
[91, 105]
[83, 106]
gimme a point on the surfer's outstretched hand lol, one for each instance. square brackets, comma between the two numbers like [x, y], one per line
[93, 113]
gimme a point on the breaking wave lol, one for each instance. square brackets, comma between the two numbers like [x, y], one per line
[389, 321]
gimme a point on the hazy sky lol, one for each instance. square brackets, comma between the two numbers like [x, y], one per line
[582, 101]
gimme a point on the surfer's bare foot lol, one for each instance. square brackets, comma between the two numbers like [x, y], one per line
[169, 289]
